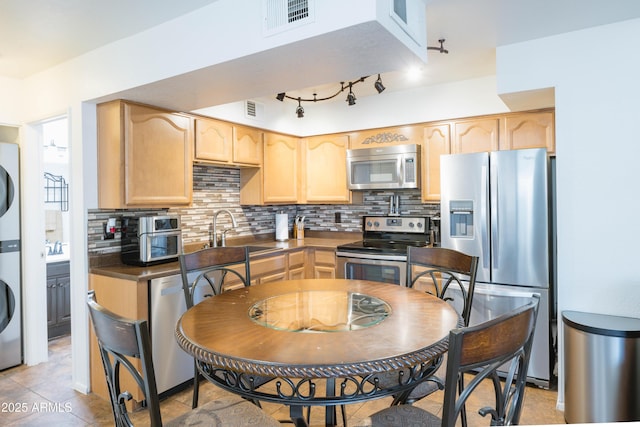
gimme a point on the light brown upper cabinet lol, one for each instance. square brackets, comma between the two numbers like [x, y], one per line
[325, 169]
[222, 143]
[476, 135]
[247, 145]
[144, 156]
[399, 135]
[281, 168]
[213, 140]
[437, 141]
[529, 130]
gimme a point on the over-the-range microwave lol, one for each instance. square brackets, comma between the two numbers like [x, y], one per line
[381, 168]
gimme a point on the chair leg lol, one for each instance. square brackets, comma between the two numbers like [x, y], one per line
[196, 385]
[463, 411]
[344, 415]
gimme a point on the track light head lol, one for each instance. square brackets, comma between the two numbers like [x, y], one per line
[300, 110]
[280, 96]
[351, 98]
[378, 85]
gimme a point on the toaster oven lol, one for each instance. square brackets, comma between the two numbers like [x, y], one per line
[149, 240]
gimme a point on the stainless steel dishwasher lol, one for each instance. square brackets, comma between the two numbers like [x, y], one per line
[173, 366]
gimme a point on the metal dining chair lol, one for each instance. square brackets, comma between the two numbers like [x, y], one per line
[120, 342]
[212, 267]
[443, 272]
[449, 275]
[480, 350]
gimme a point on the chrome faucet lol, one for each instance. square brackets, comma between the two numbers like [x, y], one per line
[223, 234]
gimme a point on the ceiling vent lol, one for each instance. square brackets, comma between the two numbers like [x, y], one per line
[253, 110]
[281, 15]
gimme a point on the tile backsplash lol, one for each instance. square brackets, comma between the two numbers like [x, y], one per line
[217, 188]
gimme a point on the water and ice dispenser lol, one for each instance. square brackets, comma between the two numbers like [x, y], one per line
[461, 218]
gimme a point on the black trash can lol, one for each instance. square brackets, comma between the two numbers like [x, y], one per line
[601, 368]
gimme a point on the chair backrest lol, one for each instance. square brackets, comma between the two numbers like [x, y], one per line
[483, 349]
[120, 339]
[441, 272]
[213, 265]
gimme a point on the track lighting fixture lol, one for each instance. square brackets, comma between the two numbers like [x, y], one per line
[351, 97]
[378, 85]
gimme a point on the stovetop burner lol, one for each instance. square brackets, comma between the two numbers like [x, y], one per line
[390, 235]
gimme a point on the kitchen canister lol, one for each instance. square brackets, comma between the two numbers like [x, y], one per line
[282, 227]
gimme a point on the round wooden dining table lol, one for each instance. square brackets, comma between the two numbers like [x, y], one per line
[317, 341]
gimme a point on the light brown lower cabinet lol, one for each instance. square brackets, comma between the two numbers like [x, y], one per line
[297, 265]
[269, 269]
[324, 263]
[127, 298]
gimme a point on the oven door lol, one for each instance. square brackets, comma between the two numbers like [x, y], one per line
[160, 246]
[378, 267]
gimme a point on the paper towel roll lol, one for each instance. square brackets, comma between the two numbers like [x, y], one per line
[282, 227]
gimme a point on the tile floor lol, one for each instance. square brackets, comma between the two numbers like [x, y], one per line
[42, 396]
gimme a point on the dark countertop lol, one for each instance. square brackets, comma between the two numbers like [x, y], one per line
[114, 268]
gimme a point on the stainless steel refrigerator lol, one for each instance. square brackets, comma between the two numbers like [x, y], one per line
[497, 206]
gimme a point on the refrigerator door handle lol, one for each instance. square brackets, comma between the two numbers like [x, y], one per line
[495, 218]
[484, 217]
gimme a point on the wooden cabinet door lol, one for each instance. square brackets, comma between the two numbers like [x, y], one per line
[275, 277]
[64, 299]
[437, 141]
[321, 155]
[324, 272]
[281, 169]
[213, 140]
[296, 268]
[324, 264]
[530, 130]
[158, 159]
[127, 298]
[478, 135]
[144, 157]
[247, 145]
[52, 302]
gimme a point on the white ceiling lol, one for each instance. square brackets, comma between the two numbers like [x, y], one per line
[37, 34]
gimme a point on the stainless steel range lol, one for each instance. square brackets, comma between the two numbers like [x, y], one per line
[381, 256]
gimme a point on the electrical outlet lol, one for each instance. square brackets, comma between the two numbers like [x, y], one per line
[110, 229]
[338, 218]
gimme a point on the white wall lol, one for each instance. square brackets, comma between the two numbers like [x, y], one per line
[595, 75]
[11, 101]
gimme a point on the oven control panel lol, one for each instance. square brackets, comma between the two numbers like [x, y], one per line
[396, 224]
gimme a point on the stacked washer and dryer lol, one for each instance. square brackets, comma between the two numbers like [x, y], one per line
[10, 262]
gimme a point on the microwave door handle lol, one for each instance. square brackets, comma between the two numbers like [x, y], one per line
[401, 170]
